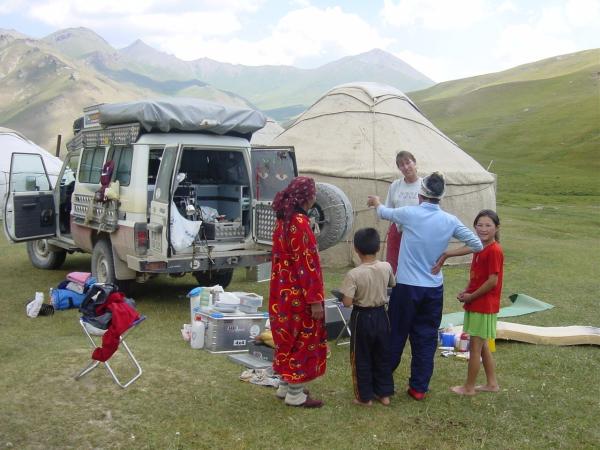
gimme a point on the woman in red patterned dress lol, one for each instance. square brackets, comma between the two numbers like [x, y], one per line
[296, 296]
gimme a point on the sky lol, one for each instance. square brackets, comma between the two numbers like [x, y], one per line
[443, 39]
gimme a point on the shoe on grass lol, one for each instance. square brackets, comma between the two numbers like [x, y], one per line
[308, 403]
[415, 394]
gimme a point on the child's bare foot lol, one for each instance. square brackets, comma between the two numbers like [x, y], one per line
[487, 388]
[385, 401]
[361, 403]
[461, 390]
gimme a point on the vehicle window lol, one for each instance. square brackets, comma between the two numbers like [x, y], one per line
[165, 174]
[213, 166]
[91, 165]
[27, 173]
[273, 170]
[71, 166]
[153, 164]
[122, 157]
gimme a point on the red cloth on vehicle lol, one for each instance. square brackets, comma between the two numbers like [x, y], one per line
[123, 317]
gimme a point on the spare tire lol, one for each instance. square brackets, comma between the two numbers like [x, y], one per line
[333, 213]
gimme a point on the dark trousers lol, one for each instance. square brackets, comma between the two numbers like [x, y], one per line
[370, 353]
[416, 312]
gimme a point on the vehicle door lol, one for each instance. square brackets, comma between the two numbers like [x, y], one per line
[30, 211]
[160, 215]
[273, 168]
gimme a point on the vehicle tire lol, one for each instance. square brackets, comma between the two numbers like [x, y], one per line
[103, 265]
[42, 257]
[221, 277]
[333, 213]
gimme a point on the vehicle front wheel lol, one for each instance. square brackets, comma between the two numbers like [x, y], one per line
[103, 265]
[43, 257]
[221, 277]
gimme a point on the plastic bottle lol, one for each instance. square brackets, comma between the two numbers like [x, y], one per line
[197, 338]
[194, 296]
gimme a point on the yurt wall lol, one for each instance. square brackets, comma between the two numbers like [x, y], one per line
[350, 138]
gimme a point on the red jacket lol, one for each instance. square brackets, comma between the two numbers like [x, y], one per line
[123, 317]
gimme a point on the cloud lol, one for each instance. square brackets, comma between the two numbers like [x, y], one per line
[10, 6]
[552, 33]
[434, 14]
[581, 13]
[434, 68]
[332, 33]
[164, 15]
[507, 6]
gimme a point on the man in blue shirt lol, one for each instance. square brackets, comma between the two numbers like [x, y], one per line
[416, 303]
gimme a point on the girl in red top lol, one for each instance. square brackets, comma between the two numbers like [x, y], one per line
[481, 300]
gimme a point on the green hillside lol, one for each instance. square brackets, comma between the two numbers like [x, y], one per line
[539, 124]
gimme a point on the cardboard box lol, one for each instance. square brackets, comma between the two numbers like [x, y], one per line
[229, 333]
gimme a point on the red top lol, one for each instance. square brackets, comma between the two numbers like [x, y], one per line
[487, 262]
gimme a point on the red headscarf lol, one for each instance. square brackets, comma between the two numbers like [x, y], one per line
[298, 192]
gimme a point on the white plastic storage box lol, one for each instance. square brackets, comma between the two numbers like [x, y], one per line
[249, 302]
[229, 333]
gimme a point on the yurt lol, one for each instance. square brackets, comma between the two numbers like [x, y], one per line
[266, 134]
[350, 138]
[14, 142]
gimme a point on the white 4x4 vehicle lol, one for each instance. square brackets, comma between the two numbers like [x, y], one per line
[170, 186]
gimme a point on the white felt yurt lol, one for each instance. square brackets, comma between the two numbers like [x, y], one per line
[14, 142]
[350, 138]
[266, 134]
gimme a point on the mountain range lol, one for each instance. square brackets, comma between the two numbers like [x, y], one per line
[47, 82]
[538, 118]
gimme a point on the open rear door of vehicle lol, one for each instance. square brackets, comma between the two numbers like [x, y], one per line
[160, 214]
[273, 168]
[30, 209]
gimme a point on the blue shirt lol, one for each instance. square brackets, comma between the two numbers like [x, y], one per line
[427, 230]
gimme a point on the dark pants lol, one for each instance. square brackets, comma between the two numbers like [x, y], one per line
[416, 312]
[370, 353]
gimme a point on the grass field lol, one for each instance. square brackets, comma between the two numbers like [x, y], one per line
[540, 126]
[187, 399]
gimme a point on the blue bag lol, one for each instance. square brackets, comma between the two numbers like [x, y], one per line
[62, 298]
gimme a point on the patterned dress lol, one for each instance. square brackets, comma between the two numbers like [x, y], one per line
[296, 282]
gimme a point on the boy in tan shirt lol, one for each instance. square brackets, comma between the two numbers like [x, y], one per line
[365, 288]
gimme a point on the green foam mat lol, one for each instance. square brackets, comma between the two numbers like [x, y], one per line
[522, 304]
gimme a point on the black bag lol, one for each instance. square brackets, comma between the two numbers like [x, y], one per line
[95, 296]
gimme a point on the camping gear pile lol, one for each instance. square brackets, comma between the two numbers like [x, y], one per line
[71, 292]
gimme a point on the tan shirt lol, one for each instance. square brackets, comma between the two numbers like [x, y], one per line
[367, 284]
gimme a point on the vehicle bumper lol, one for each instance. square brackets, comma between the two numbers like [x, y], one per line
[189, 263]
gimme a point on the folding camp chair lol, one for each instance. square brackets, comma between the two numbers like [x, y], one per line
[342, 312]
[90, 331]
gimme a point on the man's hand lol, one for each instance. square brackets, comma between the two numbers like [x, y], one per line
[438, 264]
[316, 311]
[373, 201]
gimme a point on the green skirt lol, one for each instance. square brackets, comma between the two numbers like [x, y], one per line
[481, 325]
